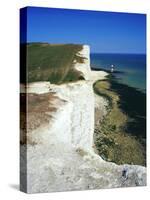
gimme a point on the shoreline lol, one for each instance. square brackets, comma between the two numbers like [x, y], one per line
[116, 78]
[132, 129]
[135, 109]
[63, 131]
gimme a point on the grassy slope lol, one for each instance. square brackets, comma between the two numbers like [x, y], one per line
[47, 62]
[112, 141]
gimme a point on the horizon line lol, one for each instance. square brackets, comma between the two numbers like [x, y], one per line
[117, 53]
[29, 42]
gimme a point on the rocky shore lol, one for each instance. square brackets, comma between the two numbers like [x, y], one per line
[59, 153]
[114, 139]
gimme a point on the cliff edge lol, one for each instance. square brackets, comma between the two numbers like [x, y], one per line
[59, 145]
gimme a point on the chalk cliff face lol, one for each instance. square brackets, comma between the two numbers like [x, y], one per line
[60, 154]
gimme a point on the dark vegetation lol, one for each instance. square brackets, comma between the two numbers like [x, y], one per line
[133, 103]
[48, 62]
[121, 136]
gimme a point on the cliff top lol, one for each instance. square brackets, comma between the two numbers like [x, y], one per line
[51, 62]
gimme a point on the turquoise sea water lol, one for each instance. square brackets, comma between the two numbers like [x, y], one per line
[131, 68]
[130, 85]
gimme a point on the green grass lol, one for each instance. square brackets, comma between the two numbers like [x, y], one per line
[54, 63]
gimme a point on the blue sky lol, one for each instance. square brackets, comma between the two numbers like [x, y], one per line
[105, 32]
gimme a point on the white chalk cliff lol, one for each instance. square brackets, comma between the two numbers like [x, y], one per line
[62, 157]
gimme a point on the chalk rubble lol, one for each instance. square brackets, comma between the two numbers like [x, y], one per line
[63, 158]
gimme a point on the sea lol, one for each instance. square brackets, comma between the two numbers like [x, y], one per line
[129, 81]
[130, 68]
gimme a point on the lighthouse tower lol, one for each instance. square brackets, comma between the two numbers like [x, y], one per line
[112, 68]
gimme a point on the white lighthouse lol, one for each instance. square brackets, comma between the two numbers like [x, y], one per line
[112, 68]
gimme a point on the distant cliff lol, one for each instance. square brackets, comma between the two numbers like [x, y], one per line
[60, 148]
